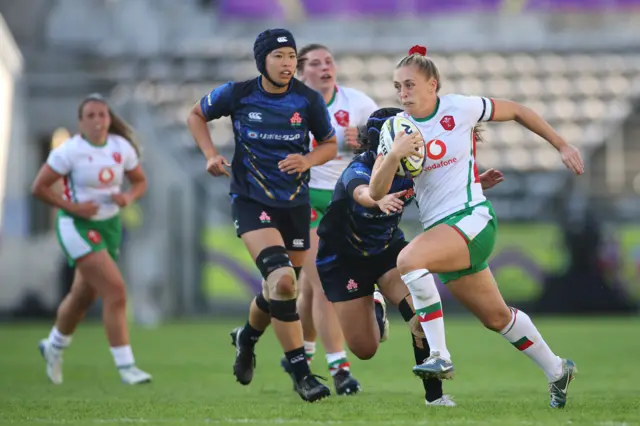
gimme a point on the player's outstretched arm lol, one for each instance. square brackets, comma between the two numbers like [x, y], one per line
[391, 203]
[361, 196]
[505, 110]
[491, 178]
[382, 175]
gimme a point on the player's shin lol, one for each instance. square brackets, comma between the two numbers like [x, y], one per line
[421, 350]
[286, 322]
[525, 337]
[259, 319]
[288, 329]
[428, 306]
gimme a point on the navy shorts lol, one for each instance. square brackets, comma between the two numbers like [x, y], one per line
[293, 223]
[347, 278]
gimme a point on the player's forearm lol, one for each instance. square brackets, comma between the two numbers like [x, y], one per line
[200, 132]
[138, 188]
[324, 152]
[382, 178]
[531, 120]
[362, 197]
[49, 196]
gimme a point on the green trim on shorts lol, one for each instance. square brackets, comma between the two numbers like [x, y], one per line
[319, 200]
[79, 237]
[478, 225]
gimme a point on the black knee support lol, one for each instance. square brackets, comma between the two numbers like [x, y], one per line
[298, 269]
[272, 258]
[262, 303]
[284, 310]
[405, 310]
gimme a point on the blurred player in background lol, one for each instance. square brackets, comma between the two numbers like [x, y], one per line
[272, 116]
[348, 109]
[359, 243]
[93, 166]
[459, 222]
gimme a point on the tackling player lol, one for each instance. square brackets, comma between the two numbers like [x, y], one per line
[359, 243]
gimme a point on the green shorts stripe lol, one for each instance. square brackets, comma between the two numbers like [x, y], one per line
[478, 225]
[319, 200]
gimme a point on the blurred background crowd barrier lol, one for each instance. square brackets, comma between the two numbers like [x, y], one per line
[565, 245]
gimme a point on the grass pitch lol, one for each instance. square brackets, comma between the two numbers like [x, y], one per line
[194, 385]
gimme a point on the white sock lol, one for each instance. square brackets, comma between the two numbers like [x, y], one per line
[525, 337]
[309, 350]
[337, 361]
[58, 340]
[123, 356]
[426, 301]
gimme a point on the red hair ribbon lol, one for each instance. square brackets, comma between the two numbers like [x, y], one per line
[420, 50]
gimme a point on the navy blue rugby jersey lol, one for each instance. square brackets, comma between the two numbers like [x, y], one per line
[353, 230]
[267, 127]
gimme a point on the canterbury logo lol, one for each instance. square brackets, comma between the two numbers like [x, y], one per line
[282, 40]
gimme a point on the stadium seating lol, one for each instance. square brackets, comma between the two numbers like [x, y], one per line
[261, 9]
[585, 97]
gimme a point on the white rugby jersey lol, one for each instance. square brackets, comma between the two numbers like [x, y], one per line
[348, 108]
[450, 181]
[94, 172]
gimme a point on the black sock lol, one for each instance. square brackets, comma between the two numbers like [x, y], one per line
[421, 351]
[249, 336]
[379, 317]
[298, 362]
[432, 387]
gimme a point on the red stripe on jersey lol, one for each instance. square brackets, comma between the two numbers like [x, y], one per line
[67, 190]
[476, 175]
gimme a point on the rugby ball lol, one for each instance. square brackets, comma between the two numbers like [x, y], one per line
[411, 165]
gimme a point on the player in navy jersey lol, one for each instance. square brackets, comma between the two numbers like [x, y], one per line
[359, 243]
[272, 116]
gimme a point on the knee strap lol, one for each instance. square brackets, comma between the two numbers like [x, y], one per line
[272, 258]
[262, 303]
[284, 310]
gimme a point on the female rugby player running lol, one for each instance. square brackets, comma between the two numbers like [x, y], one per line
[93, 165]
[359, 243]
[348, 109]
[272, 116]
[459, 222]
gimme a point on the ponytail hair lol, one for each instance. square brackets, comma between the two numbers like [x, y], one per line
[363, 140]
[477, 133]
[369, 134]
[118, 125]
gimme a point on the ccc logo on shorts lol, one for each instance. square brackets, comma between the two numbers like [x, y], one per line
[94, 236]
[314, 215]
